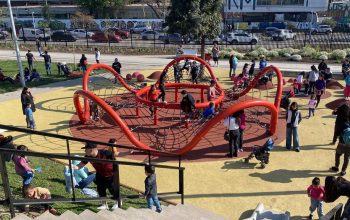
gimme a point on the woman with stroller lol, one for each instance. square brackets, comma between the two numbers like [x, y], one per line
[293, 118]
[232, 124]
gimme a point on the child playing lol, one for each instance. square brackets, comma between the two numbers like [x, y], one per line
[316, 193]
[151, 188]
[296, 86]
[312, 105]
[153, 96]
[29, 116]
[22, 167]
[94, 111]
[210, 111]
[39, 193]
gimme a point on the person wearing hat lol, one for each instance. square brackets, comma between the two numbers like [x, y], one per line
[104, 171]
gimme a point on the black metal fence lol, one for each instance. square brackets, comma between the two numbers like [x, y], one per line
[11, 202]
[334, 214]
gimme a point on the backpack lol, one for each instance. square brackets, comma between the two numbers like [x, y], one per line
[346, 135]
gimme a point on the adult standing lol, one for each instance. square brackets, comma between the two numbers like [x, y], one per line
[293, 118]
[262, 63]
[38, 46]
[251, 69]
[83, 63]
[343, 116]
[342, 148]
[47, 60]
[345, 68]
[312, 77]
[215, 51]
[162, 80]
[322, 66]
[30, 58]
[320, 87]
[104, 171]
[233, 65]
[232, 124]
[211, 93]
[97, 55]
[27, 98]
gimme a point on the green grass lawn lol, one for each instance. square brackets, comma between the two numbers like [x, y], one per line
[10, 68]
[52, 178]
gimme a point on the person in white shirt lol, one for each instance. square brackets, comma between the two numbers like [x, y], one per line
[232, 124]
[293, 118]
[312, 105]
[97, 55]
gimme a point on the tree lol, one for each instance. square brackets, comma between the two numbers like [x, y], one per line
[45, 10]
[159, 7]
[81, 20]
[200, 18]
[332, 23]
[99, 8]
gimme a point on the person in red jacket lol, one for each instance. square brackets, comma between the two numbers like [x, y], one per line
[104, 171]
[316, 193]
[153, 96]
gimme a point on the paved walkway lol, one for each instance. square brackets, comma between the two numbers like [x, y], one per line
[230, 187]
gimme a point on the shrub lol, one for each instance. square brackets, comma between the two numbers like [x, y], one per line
[272, 53]
[347, 50]
[338, 54]
[296, 57]
[286, 55]
[261, 51]
[309, 51]
[253, 54]
[323, 57]
[287, 50]
[329, 22]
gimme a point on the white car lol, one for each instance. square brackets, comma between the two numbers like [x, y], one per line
[241, 38]
[140, 29]
[80, 33]
[322, 29]
[32, 34]
[150, 35]
[283, 34]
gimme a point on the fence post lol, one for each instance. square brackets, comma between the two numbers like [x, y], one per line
[131, 33]
[154, 40]
[6, 185]
[44, 37]
[181, 185]
[116, 184]
[24, 37]
[70, 169]
[87, 38]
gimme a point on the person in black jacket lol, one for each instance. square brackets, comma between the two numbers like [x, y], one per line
[151, 188]
[117, 66]
[194, 72]
[251, 69]
[322, 67]
[336, 187]
[187, 103]
[343, 116]
[162, 80]
[27, 98]
[83, 63]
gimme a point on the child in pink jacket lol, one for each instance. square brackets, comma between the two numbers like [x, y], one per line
[22, 167]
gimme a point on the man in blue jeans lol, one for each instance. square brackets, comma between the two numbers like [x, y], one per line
[151, 188]
[47, 60]
[293, 118]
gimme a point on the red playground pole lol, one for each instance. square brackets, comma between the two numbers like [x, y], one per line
[202, 95]
[176, 94]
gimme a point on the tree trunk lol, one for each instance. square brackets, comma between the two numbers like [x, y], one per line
[202, 47]
[154, 10]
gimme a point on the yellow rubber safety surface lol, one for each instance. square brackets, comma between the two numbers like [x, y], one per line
[229, 188]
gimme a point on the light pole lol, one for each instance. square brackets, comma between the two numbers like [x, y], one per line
[14, 38]
[33, 20]
[311, 21]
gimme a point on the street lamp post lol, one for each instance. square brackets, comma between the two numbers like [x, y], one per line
[14, 38]
[33, 20]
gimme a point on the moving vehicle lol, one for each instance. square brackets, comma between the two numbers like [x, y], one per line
[322, 29]
[32, 34]
[269, 31]
[150, 35]
[121, 33]
[81, 33]
[241, 38]
[103, 37]
[283, 34]
[140, 28]
[63, 36]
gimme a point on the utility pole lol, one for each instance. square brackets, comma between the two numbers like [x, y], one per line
[14, 38]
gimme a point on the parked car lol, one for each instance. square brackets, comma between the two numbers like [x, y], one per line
[283, 34]
[63, 36]
[150, 35]
[140, 28]
[269, 31]
[32, 34]
[172, 38]
[102, 37]
[241, 38]
[124, 34]
[322, 29]
[81, 33]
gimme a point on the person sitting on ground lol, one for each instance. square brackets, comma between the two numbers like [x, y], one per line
[39, 193]
[65, 69]
[210, 111]
[153, 96]
[35, 76]
[211, 93]
[151, 194]
[7, 143]
[22, 167]
[328, 75]
[82, 177]
[316, 193]
[4, 78]
[26, 74]
[187, 103]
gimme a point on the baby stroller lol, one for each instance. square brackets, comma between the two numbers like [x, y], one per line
[261, 153]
